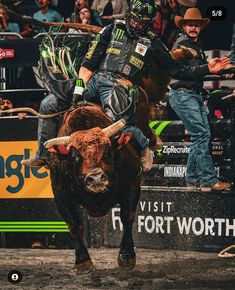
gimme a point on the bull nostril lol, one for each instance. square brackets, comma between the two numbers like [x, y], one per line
[89, 180]
[102, 177]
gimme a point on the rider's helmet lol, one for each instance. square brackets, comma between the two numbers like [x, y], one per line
[139, 16]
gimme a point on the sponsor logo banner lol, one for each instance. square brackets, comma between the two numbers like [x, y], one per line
[179, 171]
[156, 218]
[6, 53]
[18, 181]
[181, 149]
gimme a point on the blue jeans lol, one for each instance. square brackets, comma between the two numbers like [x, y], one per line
[48, 128]
[99, 89]
[190, 108]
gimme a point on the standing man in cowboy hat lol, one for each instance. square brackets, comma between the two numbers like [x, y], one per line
[163, 24]
[187, 101]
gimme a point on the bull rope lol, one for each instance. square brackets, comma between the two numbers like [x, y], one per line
[224, 253]
[42, 116]
[32, 111]
[229, 96]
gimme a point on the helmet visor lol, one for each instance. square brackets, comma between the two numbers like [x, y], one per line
[138, 22]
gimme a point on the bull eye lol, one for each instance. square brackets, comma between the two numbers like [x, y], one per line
[75, 154]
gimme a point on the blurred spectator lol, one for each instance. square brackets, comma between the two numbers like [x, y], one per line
[5, 104]
[110, 9]
[85, 16]
[23, 7]
[46, 14]
[27, 31]
[164, 25]
[233, 46]
[94, 15]
[6, 26]
[64, 7]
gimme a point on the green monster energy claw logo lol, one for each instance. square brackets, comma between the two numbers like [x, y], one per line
[79, 83]
[119, 34]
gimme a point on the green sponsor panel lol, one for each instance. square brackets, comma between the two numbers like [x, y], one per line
[33, 226]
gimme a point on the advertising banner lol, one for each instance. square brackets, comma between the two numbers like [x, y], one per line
[18, 181]
[169, 218]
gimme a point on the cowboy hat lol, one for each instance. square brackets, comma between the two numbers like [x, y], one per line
[188, 3]
[191, 14]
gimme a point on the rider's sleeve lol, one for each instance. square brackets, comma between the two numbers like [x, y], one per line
[97, 50]
[168, 65]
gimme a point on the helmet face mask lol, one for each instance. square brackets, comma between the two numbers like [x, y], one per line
[137, 22]
[140, 15]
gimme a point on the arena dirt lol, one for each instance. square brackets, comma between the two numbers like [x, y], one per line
[53, 269]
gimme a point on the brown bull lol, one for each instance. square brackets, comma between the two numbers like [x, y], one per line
[90, 167]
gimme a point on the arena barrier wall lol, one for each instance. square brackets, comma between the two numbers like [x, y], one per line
[167, 217]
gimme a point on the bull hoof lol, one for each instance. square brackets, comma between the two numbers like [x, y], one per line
[126, 261]
[84, 268]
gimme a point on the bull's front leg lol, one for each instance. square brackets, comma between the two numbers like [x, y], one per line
[73, 219]
[127, 256]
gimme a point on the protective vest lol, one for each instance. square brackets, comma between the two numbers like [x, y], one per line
[126, 55]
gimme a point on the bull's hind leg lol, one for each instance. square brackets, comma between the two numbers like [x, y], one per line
[126, 256]
[73, 219]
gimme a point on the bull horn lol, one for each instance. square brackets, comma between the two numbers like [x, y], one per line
[114, 128]
[57, 141]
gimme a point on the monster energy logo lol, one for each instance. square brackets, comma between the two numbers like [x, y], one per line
[79, 83]
[119, 34]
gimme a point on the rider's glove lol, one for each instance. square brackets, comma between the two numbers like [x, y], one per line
[78, 92]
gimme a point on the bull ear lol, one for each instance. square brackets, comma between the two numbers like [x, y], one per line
[57, 141]
[60, 149]
[114, 128]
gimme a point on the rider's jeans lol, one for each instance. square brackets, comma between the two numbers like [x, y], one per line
[190, 108]
[48, 128]
[100, 88]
